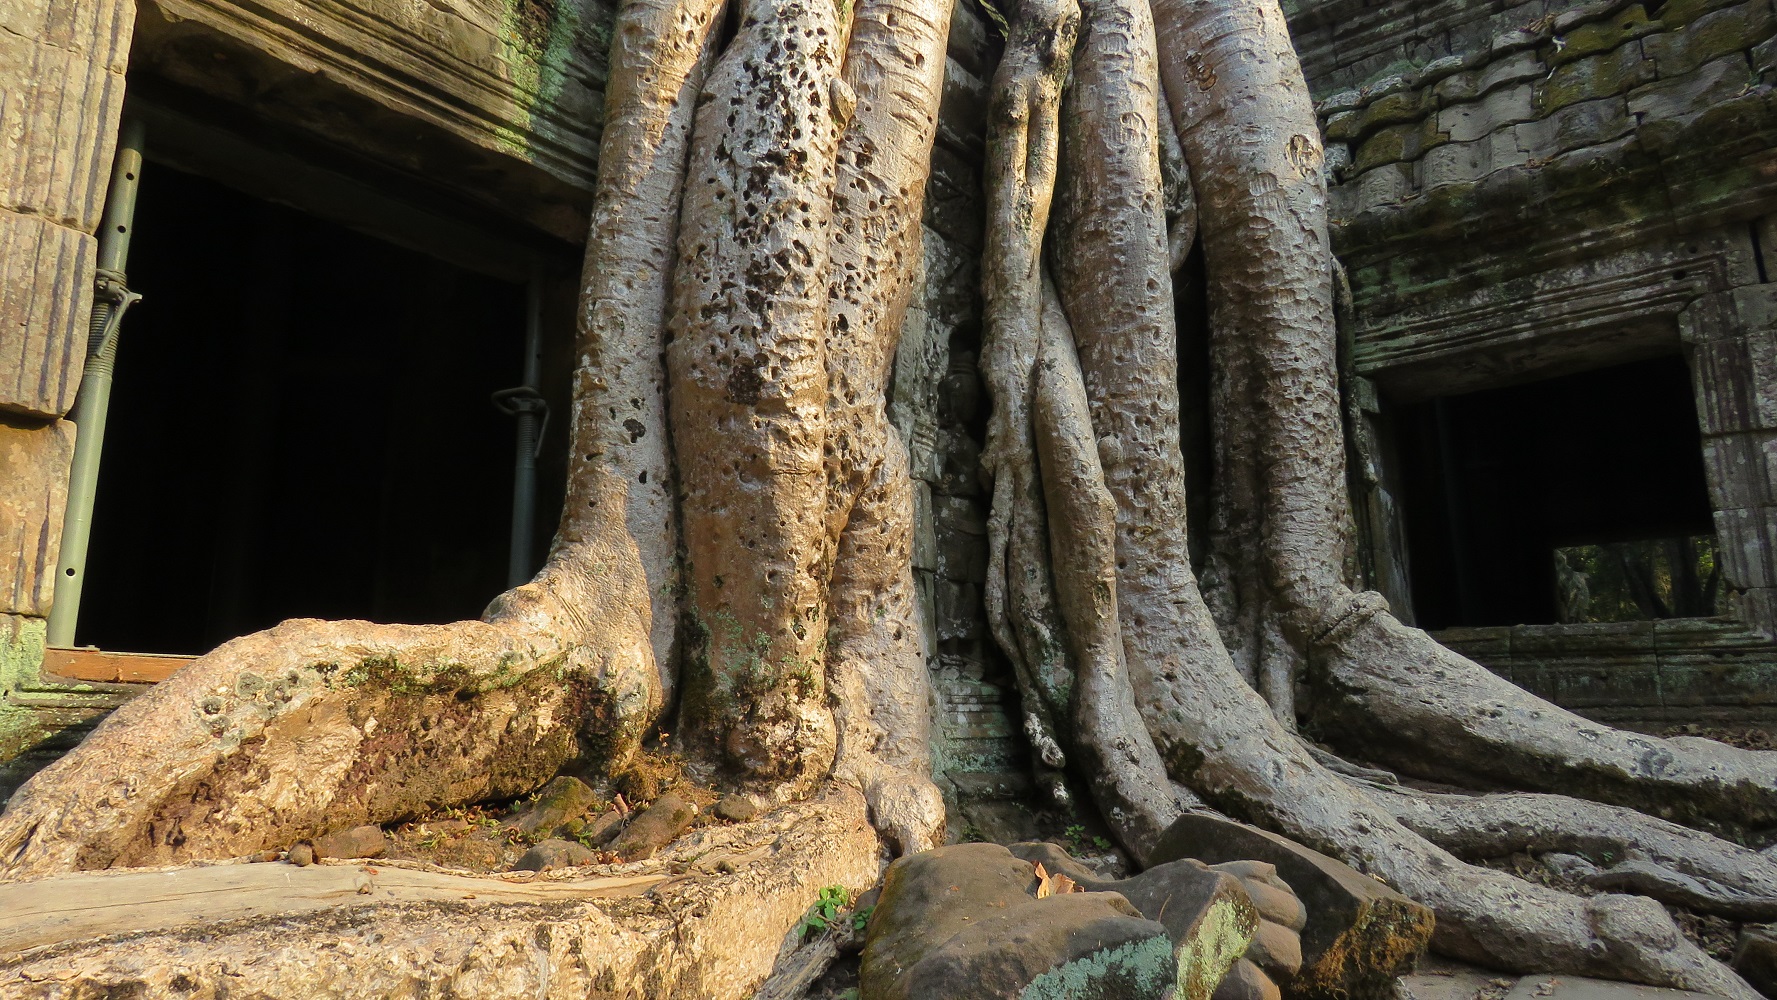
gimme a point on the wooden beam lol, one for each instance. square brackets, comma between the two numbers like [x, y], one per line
[111, 668]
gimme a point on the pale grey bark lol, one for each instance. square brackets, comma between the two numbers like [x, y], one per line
[894, 69]
[1022, 140]
[1114, 749]
[1392, 690]
[787, 276]
[1623, 849]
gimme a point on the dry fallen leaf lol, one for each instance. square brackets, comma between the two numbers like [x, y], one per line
[1053, 884]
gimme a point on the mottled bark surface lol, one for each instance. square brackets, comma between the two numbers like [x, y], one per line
[748, 362]
[894, 70]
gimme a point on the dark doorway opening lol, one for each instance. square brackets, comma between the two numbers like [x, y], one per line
[1495, 482]
[300, 427]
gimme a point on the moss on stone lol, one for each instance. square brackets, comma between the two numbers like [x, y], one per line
[1594, 37]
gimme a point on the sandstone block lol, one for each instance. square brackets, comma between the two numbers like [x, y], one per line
[1343, 126]
[1755, 957]
[61, 105]
[1193, 899]
[1359, 934]
[365, 841]
[1740, 469]
[1246, 981]
[600, 831]
[1728, 31]
[736, 809]
[1603, 75]
[1455, 163]
[966, 922]
[1592, 37]
[1390, 145]
[34, 460]
[1692, 93]
[1382, 187]
[1588, 123]
[551, 854]
[1473, 120]
[962, 117]
[1471, 85]
[1504, 150]
[46, 293]
[654, 828]
[1727, 376]
[1746, 543]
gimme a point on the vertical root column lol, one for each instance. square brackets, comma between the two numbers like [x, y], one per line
[1248, 129]
[1117, 755]
[1022, 139]
[659, 57]
[749, 369]
[881, 690]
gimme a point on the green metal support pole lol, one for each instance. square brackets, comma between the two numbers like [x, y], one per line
[526, 404]
[111, 299]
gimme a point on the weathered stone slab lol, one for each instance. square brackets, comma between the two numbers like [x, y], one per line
[564, 798]
[1360, 933]
[1717, 33]
[967, 921]
[46, 278]
[34, 463]
[61, 90]
[42, 717]
[365, 841]
[1210, 915]
[710, 932]
[655, 827]
[1747, 546]
[502, 102]
[1440, 978]
[1693, 92]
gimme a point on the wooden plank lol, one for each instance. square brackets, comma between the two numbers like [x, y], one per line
[93, 904]
[107, 667]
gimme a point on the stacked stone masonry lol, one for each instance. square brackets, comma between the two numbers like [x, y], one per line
[1523, 190]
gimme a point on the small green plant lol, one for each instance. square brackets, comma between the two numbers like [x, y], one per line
[1101, 843]
[972, 835]
[825, 912]
[860, 917]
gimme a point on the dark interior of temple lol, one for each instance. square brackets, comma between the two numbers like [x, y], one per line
[1495, 481]
[300, 427]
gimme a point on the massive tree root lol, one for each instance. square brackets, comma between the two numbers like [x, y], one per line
[796, 671]
[1217, 690]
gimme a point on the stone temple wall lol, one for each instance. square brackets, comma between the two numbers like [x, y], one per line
[1525, 190]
